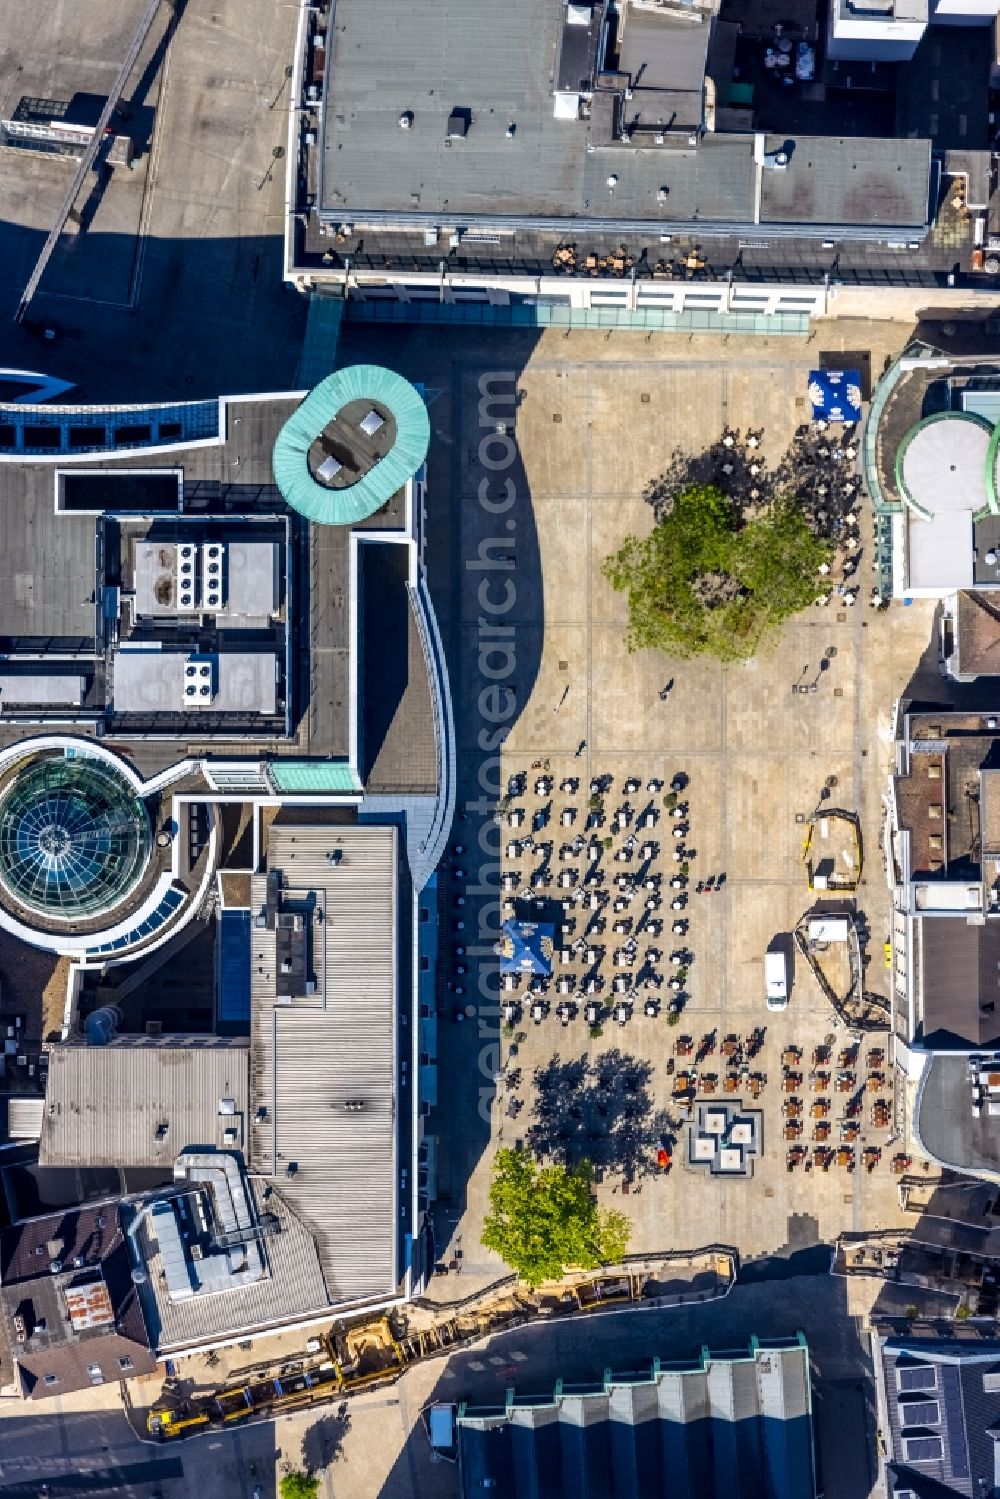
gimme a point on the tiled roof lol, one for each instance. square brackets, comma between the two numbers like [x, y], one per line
[963, 1382]
[978, 634]
[87, 1242]
[86, 1234]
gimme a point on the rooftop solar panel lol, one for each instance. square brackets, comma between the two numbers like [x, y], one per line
[954, 1422]
[916, 1376]
[919, 1412]
[923, 1449]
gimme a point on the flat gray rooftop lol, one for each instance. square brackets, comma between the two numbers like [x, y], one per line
[141, 1102]
[51, 607]
[850, 180]
[431, 60]
[151, 681]
[945, 1120]
[48, 568]
[48, 578]
[312, 1055]
[43, 687]
[291, 1290]
[249, 591]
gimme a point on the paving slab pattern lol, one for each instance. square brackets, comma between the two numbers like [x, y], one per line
[756, 753]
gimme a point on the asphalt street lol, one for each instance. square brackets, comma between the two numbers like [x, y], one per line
[97, 1453]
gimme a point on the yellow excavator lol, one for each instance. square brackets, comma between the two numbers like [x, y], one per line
[170, 1423]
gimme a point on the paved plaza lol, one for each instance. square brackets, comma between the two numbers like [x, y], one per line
[594, 423]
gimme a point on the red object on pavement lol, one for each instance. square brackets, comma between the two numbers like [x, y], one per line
[663, 1158]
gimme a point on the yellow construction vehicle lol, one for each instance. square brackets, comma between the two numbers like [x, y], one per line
[171, 1423]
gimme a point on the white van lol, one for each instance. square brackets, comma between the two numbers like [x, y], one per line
[776, 980]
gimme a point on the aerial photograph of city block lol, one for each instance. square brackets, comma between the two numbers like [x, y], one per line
[500, 749]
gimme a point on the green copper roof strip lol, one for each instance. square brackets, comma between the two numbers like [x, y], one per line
[992, 453]
[346, 507]
[326, 776]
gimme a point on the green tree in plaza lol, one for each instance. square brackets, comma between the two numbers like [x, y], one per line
[703, 581]
[544, 1220]
[298, 1486]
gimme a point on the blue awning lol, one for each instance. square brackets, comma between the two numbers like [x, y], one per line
[835, 395]
[527, 947]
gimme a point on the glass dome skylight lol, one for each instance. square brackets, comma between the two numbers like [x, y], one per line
[74, 838]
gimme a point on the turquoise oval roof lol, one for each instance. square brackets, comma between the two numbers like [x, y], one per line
[346, 507]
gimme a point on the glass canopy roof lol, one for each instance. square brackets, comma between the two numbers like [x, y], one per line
[74, 838]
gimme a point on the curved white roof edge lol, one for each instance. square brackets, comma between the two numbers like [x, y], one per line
[37, 387]
[185, 912]
[80, 946]
[77, 944]
[84, 748]
[982, 1173]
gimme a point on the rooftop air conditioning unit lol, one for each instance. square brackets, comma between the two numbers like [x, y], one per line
[186, 579]
[198, 690]
[213, 564]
